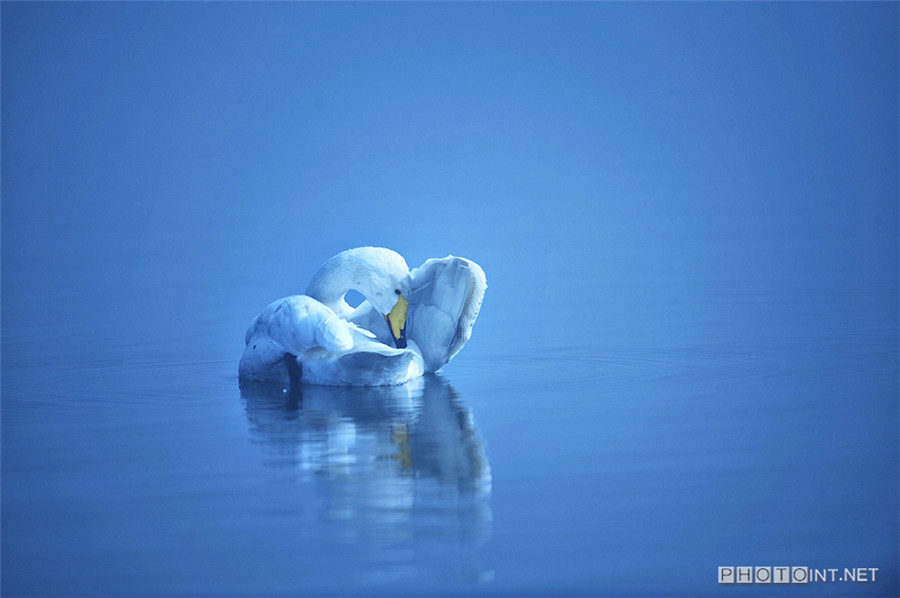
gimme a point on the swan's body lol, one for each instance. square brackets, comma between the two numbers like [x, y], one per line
[318, 338]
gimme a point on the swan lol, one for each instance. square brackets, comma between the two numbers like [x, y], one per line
[410, 322]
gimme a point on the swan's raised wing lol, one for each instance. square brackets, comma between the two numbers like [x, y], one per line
[291, 325]
[445, 298]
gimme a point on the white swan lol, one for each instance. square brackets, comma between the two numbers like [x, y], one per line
[317, 338]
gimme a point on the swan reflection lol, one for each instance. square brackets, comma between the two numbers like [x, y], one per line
[387, 464]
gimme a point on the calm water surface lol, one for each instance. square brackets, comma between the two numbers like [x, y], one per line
[755, 425]
[687, 356]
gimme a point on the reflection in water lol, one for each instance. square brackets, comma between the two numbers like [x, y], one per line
[387, 467]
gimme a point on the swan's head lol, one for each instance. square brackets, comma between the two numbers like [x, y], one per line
[378, 274]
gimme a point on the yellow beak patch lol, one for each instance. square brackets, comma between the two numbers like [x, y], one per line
[396, 319]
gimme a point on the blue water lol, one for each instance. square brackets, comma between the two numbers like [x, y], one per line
[687, 356]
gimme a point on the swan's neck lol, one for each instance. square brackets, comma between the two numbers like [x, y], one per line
[373, 271]
[334, 279]
[330, 291]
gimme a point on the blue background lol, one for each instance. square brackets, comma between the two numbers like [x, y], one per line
[688, 216]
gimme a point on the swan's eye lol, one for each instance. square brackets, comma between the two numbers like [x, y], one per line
[396, 291]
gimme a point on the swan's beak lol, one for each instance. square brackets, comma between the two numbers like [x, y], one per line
[396, 320]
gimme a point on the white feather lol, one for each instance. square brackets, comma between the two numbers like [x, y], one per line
[335, 345]
[446, 296]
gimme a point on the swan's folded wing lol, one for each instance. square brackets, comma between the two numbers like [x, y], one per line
[445, 298]
[369, 363]
[299, 323]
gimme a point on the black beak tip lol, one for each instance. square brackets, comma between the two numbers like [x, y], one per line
[400, 343]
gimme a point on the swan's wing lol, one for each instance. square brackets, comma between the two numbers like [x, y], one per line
[444, 301]
[299, 323]
[369, 363]
[291, 325]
